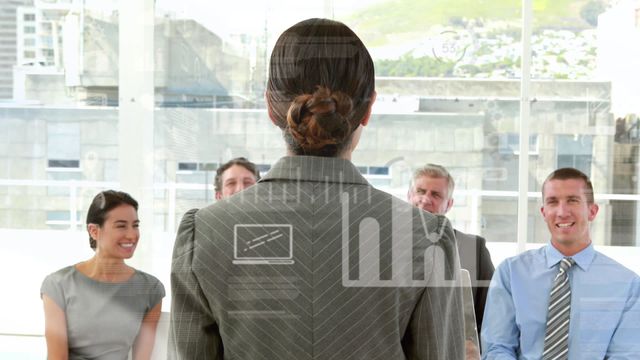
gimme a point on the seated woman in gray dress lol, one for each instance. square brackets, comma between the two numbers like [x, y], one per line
[102, 308]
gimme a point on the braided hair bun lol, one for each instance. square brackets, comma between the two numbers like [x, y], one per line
[318, 122]
[320, 87]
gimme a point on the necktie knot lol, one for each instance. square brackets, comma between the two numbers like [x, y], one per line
[566, 263]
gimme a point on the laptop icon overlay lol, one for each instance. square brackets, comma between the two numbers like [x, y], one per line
[263, 244]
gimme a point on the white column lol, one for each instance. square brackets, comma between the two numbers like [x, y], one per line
[328, 9]
[136, 105]
[525, 111]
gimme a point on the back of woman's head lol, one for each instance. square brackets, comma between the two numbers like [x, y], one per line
[104, 202]
[320, 86]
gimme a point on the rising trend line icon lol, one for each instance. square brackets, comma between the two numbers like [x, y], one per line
[254, 243]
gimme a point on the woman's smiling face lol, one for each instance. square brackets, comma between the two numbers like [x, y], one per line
[118, 236]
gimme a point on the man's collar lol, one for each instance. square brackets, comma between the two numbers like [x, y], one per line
[583, 258]
[314, 168]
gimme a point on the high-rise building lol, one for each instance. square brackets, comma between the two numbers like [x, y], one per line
[8, 43]
[39, 32]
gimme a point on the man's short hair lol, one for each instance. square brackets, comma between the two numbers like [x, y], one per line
[242, 161]
[571, 173]
[435, 171]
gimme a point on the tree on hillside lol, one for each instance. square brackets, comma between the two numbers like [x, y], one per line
[591, 10]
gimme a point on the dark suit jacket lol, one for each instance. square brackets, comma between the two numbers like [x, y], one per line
[475, 257]
[303, 266]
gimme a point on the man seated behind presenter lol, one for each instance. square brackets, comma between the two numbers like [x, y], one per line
[432, 190]
[564, 300]
[234, 176]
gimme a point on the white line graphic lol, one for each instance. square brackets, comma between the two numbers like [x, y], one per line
[263, 244]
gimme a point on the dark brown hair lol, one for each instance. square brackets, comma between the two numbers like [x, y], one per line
[320, 86]
[104, 202]
[241, 161]
[571, 173]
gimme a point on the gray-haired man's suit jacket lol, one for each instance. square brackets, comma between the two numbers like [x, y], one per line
[475, 257]
[314, 263]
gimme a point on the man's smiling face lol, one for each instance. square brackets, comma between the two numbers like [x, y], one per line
[568, 213]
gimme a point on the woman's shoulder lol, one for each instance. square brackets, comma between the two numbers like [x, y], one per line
[57, 284]
[145, 277]
[147, 284]
[61, 274]
[186, 233]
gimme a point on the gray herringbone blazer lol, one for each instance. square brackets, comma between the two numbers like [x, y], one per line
[314, 263]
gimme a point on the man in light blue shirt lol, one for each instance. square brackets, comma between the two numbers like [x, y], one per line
[605, 305]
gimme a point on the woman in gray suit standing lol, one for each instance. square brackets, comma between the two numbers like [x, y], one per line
[313, 262]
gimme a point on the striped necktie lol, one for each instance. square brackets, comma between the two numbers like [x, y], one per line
[556, 337]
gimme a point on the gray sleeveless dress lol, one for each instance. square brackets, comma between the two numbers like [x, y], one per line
[103, 319]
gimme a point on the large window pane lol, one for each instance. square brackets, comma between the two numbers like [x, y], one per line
[449, 92]
[58, 143]
[584, 115]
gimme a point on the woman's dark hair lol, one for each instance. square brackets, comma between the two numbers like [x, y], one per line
[320, 86]
[241, 161]
[104, 202]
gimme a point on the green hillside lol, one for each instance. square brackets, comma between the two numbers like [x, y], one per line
[417, 16]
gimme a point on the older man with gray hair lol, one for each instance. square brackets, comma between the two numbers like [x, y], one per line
[432, 190]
